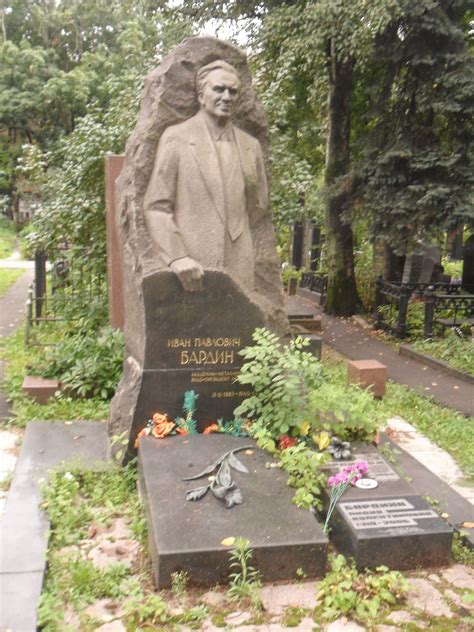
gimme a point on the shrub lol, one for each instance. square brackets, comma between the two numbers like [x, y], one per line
[88, 365]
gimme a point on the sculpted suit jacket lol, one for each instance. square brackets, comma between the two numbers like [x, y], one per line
[195, 213]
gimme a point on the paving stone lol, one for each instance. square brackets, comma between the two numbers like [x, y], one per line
[434, 578]
[458, 600]
[424, 596]
[344, 625]
[107, 553]
[8, 440]
[112, 626]
[276, 598]
[105, 610]
[459, 576]
[8, 462]
[238, 617]
[400, 616]
[213, 598]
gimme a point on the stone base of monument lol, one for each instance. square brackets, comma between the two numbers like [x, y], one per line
[390, 524]
[188, 536]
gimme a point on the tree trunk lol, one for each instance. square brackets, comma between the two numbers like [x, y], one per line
[342, 298]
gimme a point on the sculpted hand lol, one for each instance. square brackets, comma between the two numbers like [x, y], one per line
[189, 272]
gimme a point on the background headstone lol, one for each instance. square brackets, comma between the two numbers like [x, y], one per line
[467, 282]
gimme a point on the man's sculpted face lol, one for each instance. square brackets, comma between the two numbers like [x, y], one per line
[219, 95]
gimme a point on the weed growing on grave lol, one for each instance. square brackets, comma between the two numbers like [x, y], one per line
[295, 395]
[245, 580]
[179, 584]
[363, 596]
[282, 379]
[304, 469]
[461, 553]
[293, 617]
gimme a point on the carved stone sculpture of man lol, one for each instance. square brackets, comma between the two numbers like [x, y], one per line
[208, 187]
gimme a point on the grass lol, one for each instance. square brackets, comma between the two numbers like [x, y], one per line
[8, 276]
[456, 351]
[7, 238]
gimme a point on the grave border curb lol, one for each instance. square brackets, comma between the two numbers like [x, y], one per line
[409, 352]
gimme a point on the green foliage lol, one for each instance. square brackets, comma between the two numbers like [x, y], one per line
[366, 276]
[72, 496]
[88, 364]
[462, 553]
[414, 321]
[290, 272]
[282, 379]
[179, 584]
[346, 410]
[418, 152]
[70, 83]
[7, 237]
[244, 580]
[295, 395]
[304, 469]
[363, 596]
[454, 349]
[8, 276]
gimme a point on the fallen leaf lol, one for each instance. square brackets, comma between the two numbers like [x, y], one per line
[468, 525]
[248, 452]
[456, 387]
[434, 384]
[228, 541]
[444, 515]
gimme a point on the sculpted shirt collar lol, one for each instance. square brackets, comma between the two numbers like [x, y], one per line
[217, 133]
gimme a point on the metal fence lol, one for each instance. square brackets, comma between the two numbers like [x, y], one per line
[444, 303]
[58, 292]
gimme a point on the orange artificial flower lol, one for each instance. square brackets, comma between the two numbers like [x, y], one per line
[162, 429]
[211, 428]
[285, 442]
[143, 433]
[181, 431]
[159, 418]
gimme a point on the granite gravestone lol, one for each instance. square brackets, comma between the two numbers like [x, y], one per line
[390, 524]
[198, 250]
[191, 536]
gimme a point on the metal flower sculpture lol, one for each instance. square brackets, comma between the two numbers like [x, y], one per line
[222, 485]
[340, 450]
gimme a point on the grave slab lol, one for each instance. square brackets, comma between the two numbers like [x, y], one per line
[389, 525]
[187, 536]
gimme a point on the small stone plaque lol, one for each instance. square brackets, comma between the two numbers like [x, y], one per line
[387, 525]
[187, 536]
[379, 469]
[383, 514]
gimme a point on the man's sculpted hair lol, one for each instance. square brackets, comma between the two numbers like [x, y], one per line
[203, 72]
